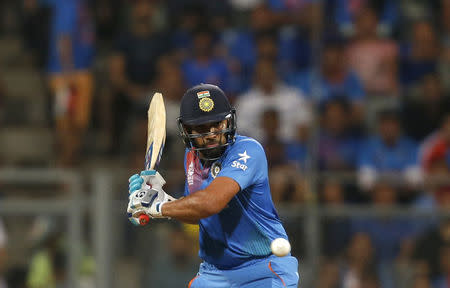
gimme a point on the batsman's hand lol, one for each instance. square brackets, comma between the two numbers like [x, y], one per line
[147, 179]
[146, 196]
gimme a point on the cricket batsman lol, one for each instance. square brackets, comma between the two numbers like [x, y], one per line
[226, 192]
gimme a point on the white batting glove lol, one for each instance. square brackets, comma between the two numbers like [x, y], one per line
[147, 201]
[146, 196]
[145, 180]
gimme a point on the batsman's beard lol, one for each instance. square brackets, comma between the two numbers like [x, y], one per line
[212, 153]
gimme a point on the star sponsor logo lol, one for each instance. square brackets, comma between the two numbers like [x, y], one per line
[237, 164]
[244, 156]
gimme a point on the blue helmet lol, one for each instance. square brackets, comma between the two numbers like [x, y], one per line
[203, 104]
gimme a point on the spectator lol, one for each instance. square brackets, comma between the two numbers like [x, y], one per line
[443, 281]
[329, 274]
[435, 161]
[431, 103]
[286, 184]
[289, 46]
[420, 56]
[336, 231]
[388, 234]
[203, 66]
[427, 252]
[108, 15]
[337, 147]
[133, 68]
[169, 73]
[174, 258]
[333, 80]
[269, 92]
[374, 59]
[273, 145]
[360, 261]
[388, 152]
[70, 60]
[184, 27]
[48, 263]
[345, 14]
[403, 267]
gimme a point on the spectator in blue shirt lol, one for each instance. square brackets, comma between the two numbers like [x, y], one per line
[187, 18]
[338, 148]
[420, 56]
[388, 234]
[290, 47]
[69, 63]
[283, 158]
[133, 67]
[345, 12]
[388, 151]
[203, 66]
[333, 80]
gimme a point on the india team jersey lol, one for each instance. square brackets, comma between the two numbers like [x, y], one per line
[244, 229]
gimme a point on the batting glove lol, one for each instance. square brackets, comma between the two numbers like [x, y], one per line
[146, 196]
[145, 180]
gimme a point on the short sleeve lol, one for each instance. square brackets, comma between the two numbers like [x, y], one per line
[245, 163]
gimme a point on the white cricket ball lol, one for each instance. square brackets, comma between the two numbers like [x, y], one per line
[280, 247]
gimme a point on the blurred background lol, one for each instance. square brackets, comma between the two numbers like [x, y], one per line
[350, 99]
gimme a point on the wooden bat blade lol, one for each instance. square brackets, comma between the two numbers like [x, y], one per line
[156, 131]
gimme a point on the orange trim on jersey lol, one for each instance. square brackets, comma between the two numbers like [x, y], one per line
[192, 281]
[270, 267]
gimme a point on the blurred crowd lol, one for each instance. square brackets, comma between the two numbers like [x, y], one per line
[350, 99]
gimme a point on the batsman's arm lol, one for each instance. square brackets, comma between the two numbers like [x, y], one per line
[203, 203]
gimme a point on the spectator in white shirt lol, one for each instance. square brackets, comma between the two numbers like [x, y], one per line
[269, 93]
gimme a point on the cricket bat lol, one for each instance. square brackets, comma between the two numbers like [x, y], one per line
[156, 138]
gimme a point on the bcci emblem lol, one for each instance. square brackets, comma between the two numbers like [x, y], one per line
[206, 104]
[215, 169]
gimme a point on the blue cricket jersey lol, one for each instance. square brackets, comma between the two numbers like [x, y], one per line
[244, 229]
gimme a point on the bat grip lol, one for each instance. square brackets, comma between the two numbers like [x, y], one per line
[144, 219]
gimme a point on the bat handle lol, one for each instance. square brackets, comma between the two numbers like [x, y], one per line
[144, 219]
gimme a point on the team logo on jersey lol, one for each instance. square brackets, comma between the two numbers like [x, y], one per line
[215, 169]
[206, 104]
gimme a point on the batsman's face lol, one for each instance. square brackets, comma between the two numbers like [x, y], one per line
[214, 139]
